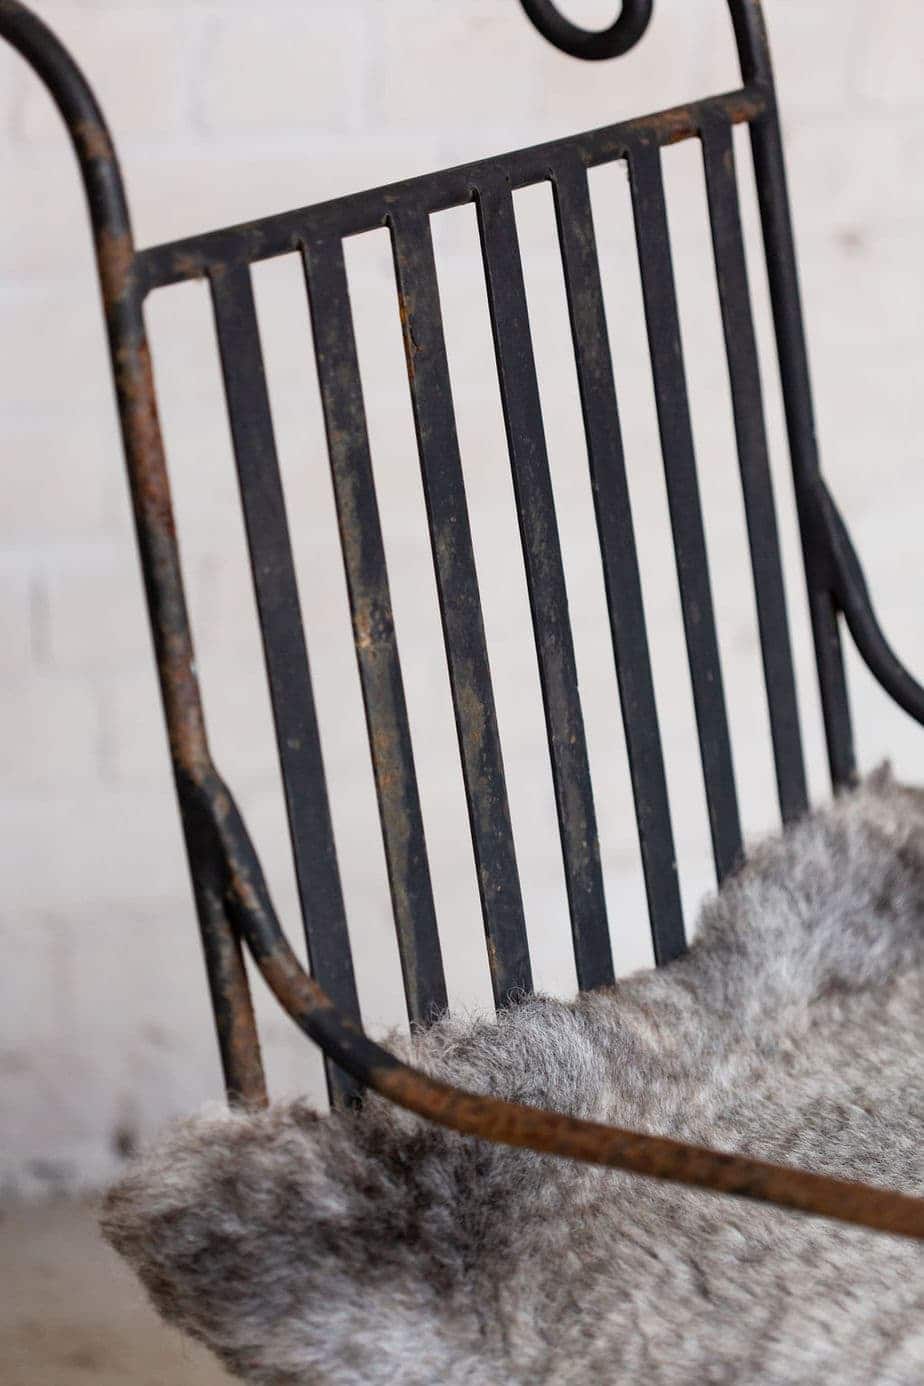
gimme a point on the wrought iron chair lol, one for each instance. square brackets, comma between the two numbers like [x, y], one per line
[234, 908]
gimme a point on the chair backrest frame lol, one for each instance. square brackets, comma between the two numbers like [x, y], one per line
[232, 901]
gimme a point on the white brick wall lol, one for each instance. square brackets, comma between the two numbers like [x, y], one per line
[318, 60]
[222, 113]
[140, 54]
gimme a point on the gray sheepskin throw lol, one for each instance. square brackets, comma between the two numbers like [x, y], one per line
[368, 1248]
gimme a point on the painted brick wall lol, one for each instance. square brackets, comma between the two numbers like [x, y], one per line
[221, 114]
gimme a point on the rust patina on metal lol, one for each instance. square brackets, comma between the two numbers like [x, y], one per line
[232, 900]
[195, 777]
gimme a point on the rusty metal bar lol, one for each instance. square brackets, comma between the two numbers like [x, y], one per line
[238, 1043]
[142, 441]
[661, 315]
[374, 630]
[620, 562]
[545, 580]
[460, 606]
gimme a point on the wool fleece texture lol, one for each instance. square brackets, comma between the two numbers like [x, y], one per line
[358, 1249]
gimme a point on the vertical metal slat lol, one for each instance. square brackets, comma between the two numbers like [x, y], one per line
[284, 647]
[620, 563]
[460, 605]
[374, 630]
[757, 486]
[780, 255]
[546, 584]
[679, 460]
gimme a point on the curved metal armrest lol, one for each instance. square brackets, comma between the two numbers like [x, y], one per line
[849, 588]
[512, 1123]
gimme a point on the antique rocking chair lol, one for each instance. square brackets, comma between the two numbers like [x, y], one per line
[234, 908]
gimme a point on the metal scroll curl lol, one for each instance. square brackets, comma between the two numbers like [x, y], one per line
[590, 44]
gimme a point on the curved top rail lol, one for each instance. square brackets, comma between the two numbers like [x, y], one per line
[80, 111]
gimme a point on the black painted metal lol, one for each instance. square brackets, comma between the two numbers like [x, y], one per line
[460, 605]
[297, 735]
[231, 897]
[618, 38]
[852, 597]
[374, 630]
[683, 500]
[747, 404]
[620, 563]
[783, 277]
[285, 233]
[546, 583]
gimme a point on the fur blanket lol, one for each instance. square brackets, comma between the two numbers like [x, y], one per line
[374, 1248]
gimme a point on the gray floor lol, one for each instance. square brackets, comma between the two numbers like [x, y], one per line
[70, 1314]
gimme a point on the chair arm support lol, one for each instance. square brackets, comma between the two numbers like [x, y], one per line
[512, 1123]
[850, 591]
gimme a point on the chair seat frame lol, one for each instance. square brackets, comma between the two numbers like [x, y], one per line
[233, 904]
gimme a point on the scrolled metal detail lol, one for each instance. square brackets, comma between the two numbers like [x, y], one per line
[851, 593]
[590, 44]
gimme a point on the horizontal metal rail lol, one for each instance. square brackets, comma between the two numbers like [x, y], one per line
[267, 237]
